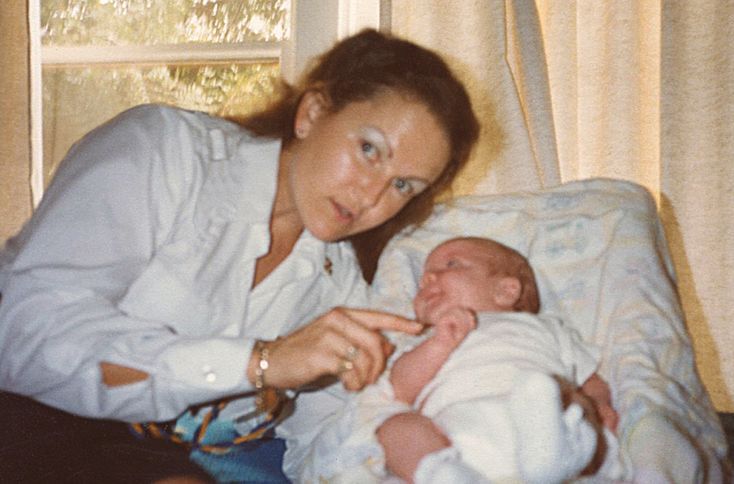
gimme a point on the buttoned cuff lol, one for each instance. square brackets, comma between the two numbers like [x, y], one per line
[214, 364]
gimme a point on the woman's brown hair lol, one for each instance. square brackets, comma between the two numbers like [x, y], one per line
[359, 68]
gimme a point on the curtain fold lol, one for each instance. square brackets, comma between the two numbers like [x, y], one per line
[527, 63]
[603, 60]
[642, 91]
[507, 156]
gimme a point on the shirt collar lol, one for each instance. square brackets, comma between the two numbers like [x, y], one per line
[256, 173]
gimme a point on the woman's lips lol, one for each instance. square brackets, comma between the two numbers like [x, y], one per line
[343, 214]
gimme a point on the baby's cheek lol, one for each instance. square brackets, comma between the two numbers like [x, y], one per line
[419, 309]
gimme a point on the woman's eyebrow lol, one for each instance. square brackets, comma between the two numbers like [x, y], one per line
[378, 136]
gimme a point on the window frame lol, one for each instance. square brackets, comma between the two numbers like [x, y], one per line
[315, 25]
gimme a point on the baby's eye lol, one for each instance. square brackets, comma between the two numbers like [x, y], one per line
[369, 150]
[452, 263]
[403, 186]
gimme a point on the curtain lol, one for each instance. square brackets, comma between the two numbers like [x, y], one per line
[15, 196]
[641, 91]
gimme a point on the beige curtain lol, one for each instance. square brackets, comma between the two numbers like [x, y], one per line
[15, 196]
[639, 90]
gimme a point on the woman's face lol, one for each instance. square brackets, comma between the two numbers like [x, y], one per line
[352, 170]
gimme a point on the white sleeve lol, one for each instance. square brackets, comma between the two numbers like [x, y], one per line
[112, 203]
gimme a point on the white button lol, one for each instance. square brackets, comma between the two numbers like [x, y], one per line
[210, 377]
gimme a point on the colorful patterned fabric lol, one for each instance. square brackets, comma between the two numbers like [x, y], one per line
[215, 444]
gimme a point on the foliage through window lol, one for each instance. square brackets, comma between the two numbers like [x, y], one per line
[100, 57]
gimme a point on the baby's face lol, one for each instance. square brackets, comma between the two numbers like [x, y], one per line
[457, 273]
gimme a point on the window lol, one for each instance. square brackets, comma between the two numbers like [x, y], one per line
[92, 59]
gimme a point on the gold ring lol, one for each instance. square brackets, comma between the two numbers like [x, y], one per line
[351, 353]
[344, 366]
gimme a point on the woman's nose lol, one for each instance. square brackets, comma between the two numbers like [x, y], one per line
[372, 186]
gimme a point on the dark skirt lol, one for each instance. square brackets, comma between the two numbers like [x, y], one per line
[42, 444]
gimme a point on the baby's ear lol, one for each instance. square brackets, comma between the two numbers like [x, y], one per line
[508, 292]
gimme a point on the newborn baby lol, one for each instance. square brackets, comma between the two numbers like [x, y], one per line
[491, 392]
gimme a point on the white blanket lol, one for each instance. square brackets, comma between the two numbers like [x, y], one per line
[493, 398]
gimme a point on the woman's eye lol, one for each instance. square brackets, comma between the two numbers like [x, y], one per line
[403, 186]
[369, 150]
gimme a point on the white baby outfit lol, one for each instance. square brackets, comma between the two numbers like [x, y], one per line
[495, 401]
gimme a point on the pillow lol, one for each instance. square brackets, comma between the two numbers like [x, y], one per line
[569, 234]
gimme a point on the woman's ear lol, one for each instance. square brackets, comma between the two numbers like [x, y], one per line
[508, 292]
[312, 107]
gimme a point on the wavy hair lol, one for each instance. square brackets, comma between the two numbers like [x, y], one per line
[359, 68]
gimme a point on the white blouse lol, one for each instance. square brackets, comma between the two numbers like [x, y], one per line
[142, 253]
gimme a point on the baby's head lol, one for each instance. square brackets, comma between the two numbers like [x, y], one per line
[478, 274]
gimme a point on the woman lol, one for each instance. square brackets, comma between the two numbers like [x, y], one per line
[179, 259]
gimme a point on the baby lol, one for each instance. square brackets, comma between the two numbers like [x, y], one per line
[491, 393]
[470, 281]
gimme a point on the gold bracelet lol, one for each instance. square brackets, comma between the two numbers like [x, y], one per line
[264, 396]
[262, 364]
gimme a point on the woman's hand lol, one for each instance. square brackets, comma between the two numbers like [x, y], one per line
[344, 342]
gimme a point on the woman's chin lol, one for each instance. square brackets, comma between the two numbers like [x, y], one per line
[325, 233]
[332, 232]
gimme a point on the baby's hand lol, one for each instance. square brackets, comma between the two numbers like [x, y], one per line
[598, 391]
[454, 325]
[415, 368]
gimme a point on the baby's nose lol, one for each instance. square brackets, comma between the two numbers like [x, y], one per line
[428, 278]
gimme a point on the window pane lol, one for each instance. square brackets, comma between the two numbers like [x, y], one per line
[152, 22]
[77, 99]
